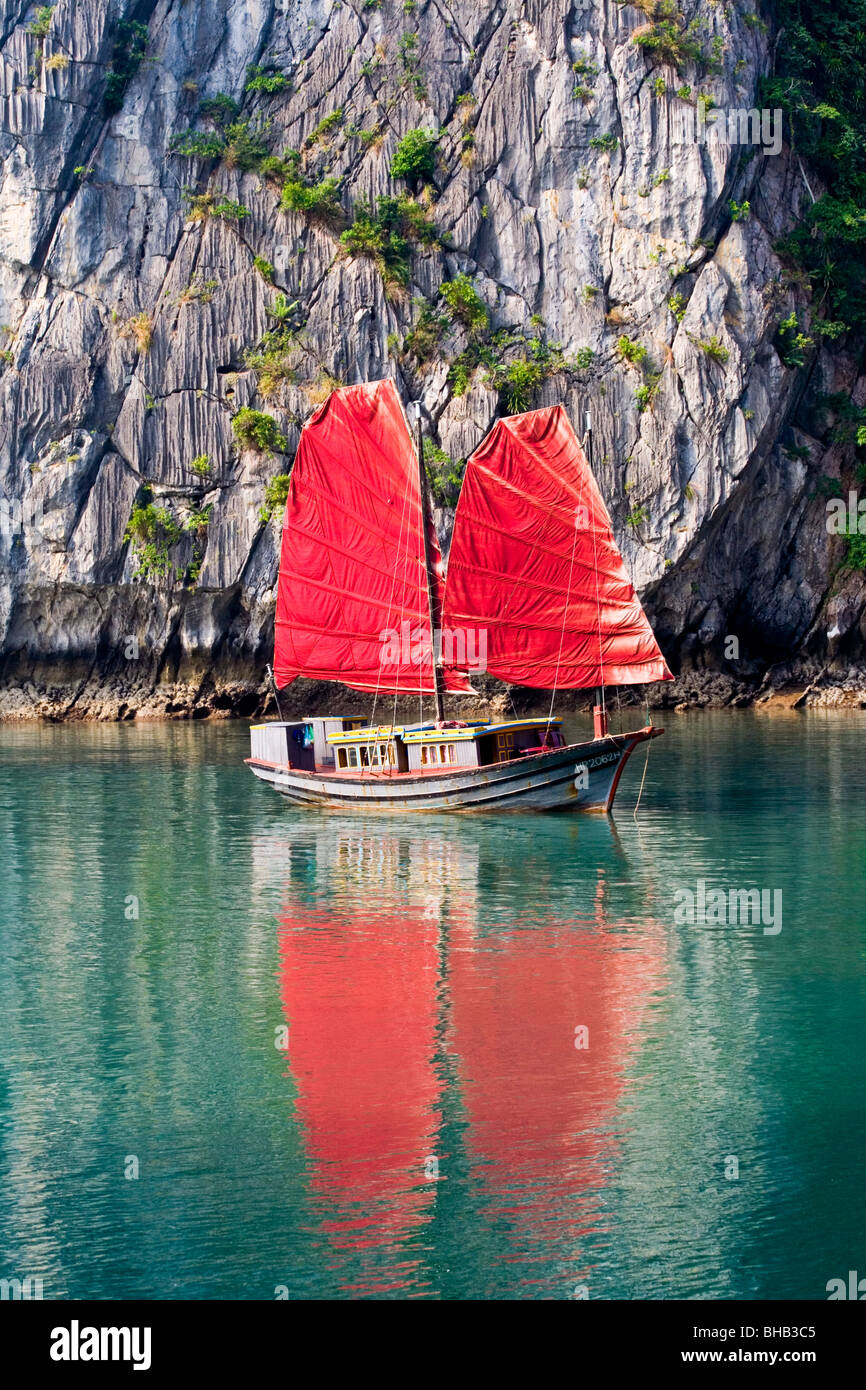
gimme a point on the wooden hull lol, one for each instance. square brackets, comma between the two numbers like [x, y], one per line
[580, 777]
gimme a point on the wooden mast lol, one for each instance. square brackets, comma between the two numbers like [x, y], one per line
[599, 712]
[426, 516]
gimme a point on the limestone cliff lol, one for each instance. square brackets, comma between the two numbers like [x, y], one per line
[177, 183]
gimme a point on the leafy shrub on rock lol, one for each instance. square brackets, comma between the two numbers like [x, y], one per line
[253, 429]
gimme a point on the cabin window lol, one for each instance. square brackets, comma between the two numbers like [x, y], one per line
[438, 754]
[366, 755]
[371, 755]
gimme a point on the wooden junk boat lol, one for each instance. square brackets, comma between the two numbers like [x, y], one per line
[536, 594]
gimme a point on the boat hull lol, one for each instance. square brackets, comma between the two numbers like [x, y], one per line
[579, 777]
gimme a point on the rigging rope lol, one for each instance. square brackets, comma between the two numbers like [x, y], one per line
[565, 609]
[562, 633]
[598, 606]
[420, 661]
[583, 486]
[643, 779]
[397, 558]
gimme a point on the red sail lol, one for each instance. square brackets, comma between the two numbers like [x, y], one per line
[352, 602]
[534, 562]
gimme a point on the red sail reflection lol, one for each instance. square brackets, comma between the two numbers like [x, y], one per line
[542, 1110]
[365, 981]
[359, 989]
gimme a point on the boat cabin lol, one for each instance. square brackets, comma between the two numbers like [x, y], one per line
[300, 743]
[380, 747]
[428, 747]
[479, 744]
[347, 743]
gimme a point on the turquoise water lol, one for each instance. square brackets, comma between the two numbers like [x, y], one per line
[345, 1057]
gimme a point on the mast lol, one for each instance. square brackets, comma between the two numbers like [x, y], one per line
[426, 518]
[599, 712]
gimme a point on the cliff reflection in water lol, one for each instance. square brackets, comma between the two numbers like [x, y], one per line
[436, 989]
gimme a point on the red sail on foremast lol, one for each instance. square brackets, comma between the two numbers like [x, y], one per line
[533, 562]
[352, 598]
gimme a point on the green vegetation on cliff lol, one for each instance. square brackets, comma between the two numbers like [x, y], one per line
[820, 83]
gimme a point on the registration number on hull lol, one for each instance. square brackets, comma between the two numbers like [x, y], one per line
[600, 761]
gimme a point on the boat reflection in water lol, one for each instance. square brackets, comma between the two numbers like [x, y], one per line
[436, 985]
[359, 983]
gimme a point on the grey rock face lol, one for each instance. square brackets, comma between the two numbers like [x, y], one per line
[577, 190]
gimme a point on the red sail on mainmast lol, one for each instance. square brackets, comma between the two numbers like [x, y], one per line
[533, 562]
[352, 597]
